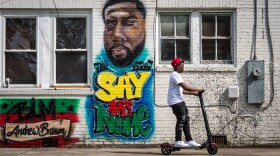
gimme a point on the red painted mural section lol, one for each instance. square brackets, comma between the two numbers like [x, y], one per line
[38, 123]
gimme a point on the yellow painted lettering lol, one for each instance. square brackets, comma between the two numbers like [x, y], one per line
[129, 86]
[124, 88]
[105, 81]
[138, 82]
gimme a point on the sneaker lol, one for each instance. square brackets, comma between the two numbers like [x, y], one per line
[180, 144]
[193, 144]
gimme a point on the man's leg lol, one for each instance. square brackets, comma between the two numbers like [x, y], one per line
[179, 111]
[186, 126]
[187, 132]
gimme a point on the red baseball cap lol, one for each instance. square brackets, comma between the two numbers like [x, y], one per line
[176, 62]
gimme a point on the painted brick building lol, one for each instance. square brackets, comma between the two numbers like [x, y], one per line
[88, 72]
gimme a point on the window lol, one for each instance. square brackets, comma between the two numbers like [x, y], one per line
[197, 37]
[20, 50]
[41, 49]
[174, 37]
[216, 37]
[71, 50]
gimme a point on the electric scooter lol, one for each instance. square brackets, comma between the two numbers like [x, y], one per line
[167, 148]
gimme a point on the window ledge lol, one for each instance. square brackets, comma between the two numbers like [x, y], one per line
[45, 92]
[200, 68]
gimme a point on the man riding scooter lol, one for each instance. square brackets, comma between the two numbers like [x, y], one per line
[177, 87]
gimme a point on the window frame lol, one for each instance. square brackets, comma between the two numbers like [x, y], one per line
[76, 15]
[196, 63]
[4, 50]
[45, 48]
[175, 37]
[216, 61]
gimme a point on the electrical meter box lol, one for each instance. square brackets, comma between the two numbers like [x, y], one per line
[255, 81]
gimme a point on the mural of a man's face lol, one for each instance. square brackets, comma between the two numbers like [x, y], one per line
[124, 33]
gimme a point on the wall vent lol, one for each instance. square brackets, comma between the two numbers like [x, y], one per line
[220, 140]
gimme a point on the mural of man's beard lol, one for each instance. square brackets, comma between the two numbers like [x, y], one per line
[130, 55]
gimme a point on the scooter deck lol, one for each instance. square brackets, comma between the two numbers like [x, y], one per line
[186, 147]
[167, 148]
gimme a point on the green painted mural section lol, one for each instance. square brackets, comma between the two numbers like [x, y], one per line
[61, 104]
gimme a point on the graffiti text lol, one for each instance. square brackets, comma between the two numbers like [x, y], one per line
[140, 65]
[126, 126]
[127, 86]
[26, 112]
[31, 131]
[100, 66]
[121, 108]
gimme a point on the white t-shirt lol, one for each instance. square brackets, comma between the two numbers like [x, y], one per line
[175, 91]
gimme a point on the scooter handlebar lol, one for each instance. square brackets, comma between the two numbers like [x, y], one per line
[200, 92]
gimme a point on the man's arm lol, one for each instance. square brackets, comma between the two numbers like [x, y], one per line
[190, 90]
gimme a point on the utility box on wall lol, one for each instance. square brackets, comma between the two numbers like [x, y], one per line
[233, 92]
[255, 81]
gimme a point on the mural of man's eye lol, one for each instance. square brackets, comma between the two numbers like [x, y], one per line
[129, 22]
[110, 24]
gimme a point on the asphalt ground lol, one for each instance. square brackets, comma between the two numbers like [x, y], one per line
[133, 151]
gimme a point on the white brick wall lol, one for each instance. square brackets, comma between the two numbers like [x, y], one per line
[249, 124]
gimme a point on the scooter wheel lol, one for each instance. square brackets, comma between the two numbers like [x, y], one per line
[166, 149]
[212, 148]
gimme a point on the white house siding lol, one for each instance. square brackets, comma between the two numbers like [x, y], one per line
[242, 123]
[197, 4]
[46, 4]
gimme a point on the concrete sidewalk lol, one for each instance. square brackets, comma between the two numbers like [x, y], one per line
[133, 151]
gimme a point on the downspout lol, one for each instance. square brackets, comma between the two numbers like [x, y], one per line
[255, 30]
[271, 59]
